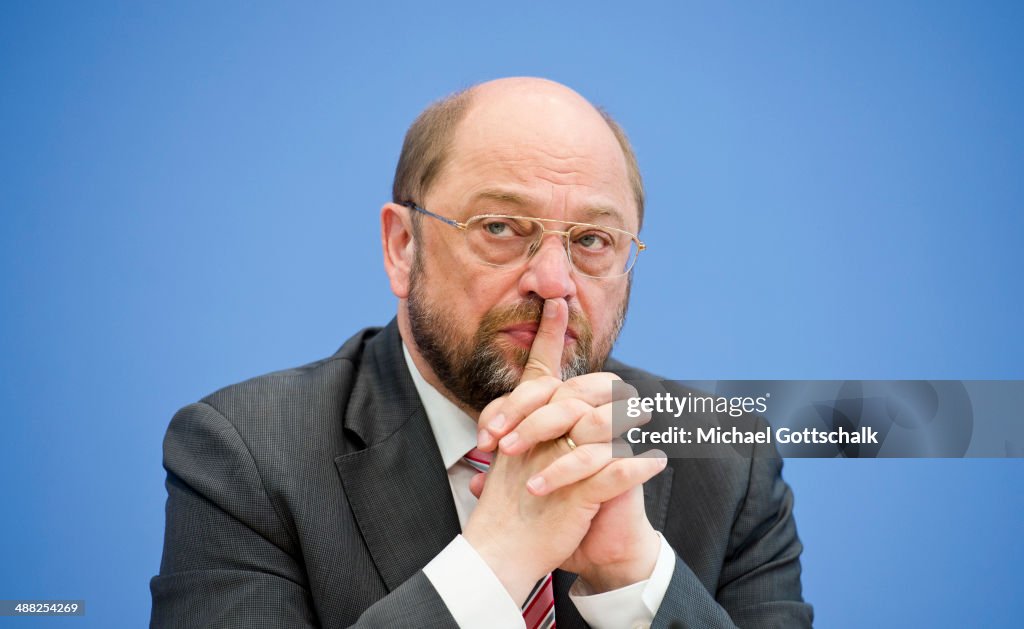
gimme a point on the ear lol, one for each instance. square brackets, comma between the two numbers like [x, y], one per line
[399, 247]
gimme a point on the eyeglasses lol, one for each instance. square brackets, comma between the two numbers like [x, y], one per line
[500, 240]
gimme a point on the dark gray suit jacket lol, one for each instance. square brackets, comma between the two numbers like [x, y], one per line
[315, 496]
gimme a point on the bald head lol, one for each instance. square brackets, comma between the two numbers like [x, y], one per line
[511, 112]
[534, 109]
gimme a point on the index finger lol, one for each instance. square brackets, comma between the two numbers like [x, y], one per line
[546, 352]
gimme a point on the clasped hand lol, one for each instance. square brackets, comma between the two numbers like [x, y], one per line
[545, 504]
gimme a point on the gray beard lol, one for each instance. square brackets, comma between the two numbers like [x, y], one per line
[478, 371]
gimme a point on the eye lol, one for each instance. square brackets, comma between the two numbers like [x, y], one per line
[496, 228]
[594, 241]
[506, 228]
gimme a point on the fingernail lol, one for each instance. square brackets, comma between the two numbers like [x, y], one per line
[550, 308]
[536, 484]
[508, 440]
[498, 422]
[483, 439]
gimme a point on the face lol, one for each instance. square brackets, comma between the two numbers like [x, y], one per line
[548, 156]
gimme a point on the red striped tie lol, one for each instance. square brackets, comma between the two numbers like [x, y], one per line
[539, 608]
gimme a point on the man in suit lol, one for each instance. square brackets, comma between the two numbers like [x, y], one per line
[349, 492]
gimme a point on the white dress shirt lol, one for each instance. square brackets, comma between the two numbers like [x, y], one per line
[471, 591]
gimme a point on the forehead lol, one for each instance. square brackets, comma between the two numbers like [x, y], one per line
[546, 154]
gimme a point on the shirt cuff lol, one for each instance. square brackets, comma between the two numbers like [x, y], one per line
[633, 606]
[470, 590]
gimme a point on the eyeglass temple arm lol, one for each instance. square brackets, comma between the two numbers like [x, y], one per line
[444, 219]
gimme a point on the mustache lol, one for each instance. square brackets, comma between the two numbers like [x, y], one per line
[530, 311]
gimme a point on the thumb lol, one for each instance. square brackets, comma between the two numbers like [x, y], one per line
[546, 352]
[476, 484]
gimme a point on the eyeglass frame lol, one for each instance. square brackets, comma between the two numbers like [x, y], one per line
[462, 226]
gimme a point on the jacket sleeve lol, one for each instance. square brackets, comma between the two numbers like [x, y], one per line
[760, 580]
[229, 560]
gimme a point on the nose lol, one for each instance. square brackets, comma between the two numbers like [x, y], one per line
[549, 273]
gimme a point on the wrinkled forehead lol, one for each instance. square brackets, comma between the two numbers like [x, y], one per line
[540, 138]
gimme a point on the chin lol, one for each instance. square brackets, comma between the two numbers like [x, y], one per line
[515, 354]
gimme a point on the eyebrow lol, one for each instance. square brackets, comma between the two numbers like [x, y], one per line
[600, 211]
[590, 213]
[502, 196]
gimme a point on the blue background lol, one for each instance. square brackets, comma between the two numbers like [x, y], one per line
[190, 197]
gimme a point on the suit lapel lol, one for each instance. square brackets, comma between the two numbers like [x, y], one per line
[397, 486]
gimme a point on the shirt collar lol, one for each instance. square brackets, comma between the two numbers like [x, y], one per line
[454, 430]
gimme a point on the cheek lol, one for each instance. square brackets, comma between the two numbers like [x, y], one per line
[602, 308]
[488, 287]
[467, 291]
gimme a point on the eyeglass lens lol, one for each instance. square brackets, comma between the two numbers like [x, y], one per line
[504, 241]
